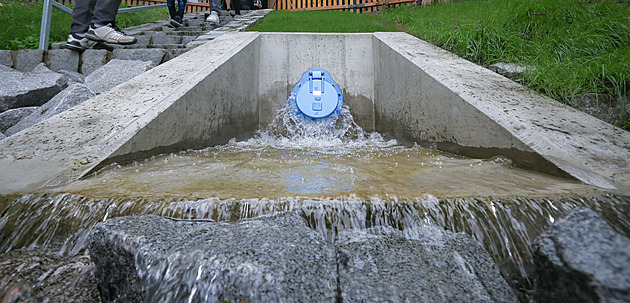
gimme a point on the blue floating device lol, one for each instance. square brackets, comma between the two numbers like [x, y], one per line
[317, 95]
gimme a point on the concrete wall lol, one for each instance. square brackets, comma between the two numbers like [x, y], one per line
[393, 83]
[347, 57]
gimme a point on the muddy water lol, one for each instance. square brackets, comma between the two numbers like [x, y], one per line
[337, 177]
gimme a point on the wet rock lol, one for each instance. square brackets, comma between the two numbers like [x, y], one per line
[115, 72]
[13, 116]
[22, 89]
[71, 96]
[433, 265]
[27, 276]
[267, 259]
[581, 259]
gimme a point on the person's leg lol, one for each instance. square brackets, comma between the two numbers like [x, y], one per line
[105, 12]
[82, 17]
[215, 7]
[181, 8]
[171, 8]
[103, 27]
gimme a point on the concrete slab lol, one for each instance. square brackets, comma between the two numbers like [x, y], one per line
[189, 101]
[445, 99]
[394, 83]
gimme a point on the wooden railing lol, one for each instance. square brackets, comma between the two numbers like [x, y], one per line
[347, 5]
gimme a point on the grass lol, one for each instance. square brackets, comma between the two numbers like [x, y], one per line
[324, 22]
[20, 23]
[576, 46]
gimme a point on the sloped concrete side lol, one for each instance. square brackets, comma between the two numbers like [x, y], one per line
[445, 99]
[70, 144]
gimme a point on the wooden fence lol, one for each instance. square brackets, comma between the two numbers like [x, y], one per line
[347, 5]
[290, 5]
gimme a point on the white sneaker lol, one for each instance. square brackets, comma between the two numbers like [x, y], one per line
[109, 34]
[213, 18]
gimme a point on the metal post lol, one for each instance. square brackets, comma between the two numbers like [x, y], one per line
[45, 29]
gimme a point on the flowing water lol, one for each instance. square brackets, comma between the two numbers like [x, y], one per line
[337, 176]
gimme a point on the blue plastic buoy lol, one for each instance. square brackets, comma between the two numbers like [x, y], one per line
[317, 95]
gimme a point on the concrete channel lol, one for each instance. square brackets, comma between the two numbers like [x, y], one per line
[393, 83]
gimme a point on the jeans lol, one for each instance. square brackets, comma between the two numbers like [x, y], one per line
[176, 14]
[88, 12]
[215, 5]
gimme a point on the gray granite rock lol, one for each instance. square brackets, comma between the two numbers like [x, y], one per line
[41, 68]
[63, 59]
[73, 75]
[13, 116]
[4, 68]
[581, 259]
[5, 58]
[27, 59]
[2, 136]
[20, 89]
[93, 59]
[154, 55]
[163, 38]
[268, 259]
[69, 97]
[509, 70]
[383, 265]
[115, 72]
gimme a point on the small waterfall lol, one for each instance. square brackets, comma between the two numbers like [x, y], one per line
[505, 226]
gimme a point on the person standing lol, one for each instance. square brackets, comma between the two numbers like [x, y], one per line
[177, 15]
[215, 12]
[94, 21]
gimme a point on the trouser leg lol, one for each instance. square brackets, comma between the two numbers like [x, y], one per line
[105, 11]
[170, 4]
[181, 8]
[215, 5]
[82, 15]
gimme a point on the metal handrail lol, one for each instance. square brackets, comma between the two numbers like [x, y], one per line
[44, 32]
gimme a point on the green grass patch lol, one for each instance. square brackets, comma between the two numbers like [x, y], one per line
[324, 22]
[20, 23]
[576, 46]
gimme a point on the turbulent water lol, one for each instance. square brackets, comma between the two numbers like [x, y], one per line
[330, 171]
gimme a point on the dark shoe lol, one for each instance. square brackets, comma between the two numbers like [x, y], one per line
[79, 44]
[176, 23]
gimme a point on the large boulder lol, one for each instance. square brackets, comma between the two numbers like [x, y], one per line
[267, 259]
[115, 72]
[22, 89]
[13, 116]
[69, 97]
[581, 259]
[383, 265]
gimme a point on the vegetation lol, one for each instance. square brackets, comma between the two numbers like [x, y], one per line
[20, 23]
[574, 47]
[324, 22]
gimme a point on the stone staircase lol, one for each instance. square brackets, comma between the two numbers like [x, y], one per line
[158, 42]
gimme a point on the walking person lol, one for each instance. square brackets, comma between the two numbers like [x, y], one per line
[215, 12]
[177, 15]
[93, 22]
